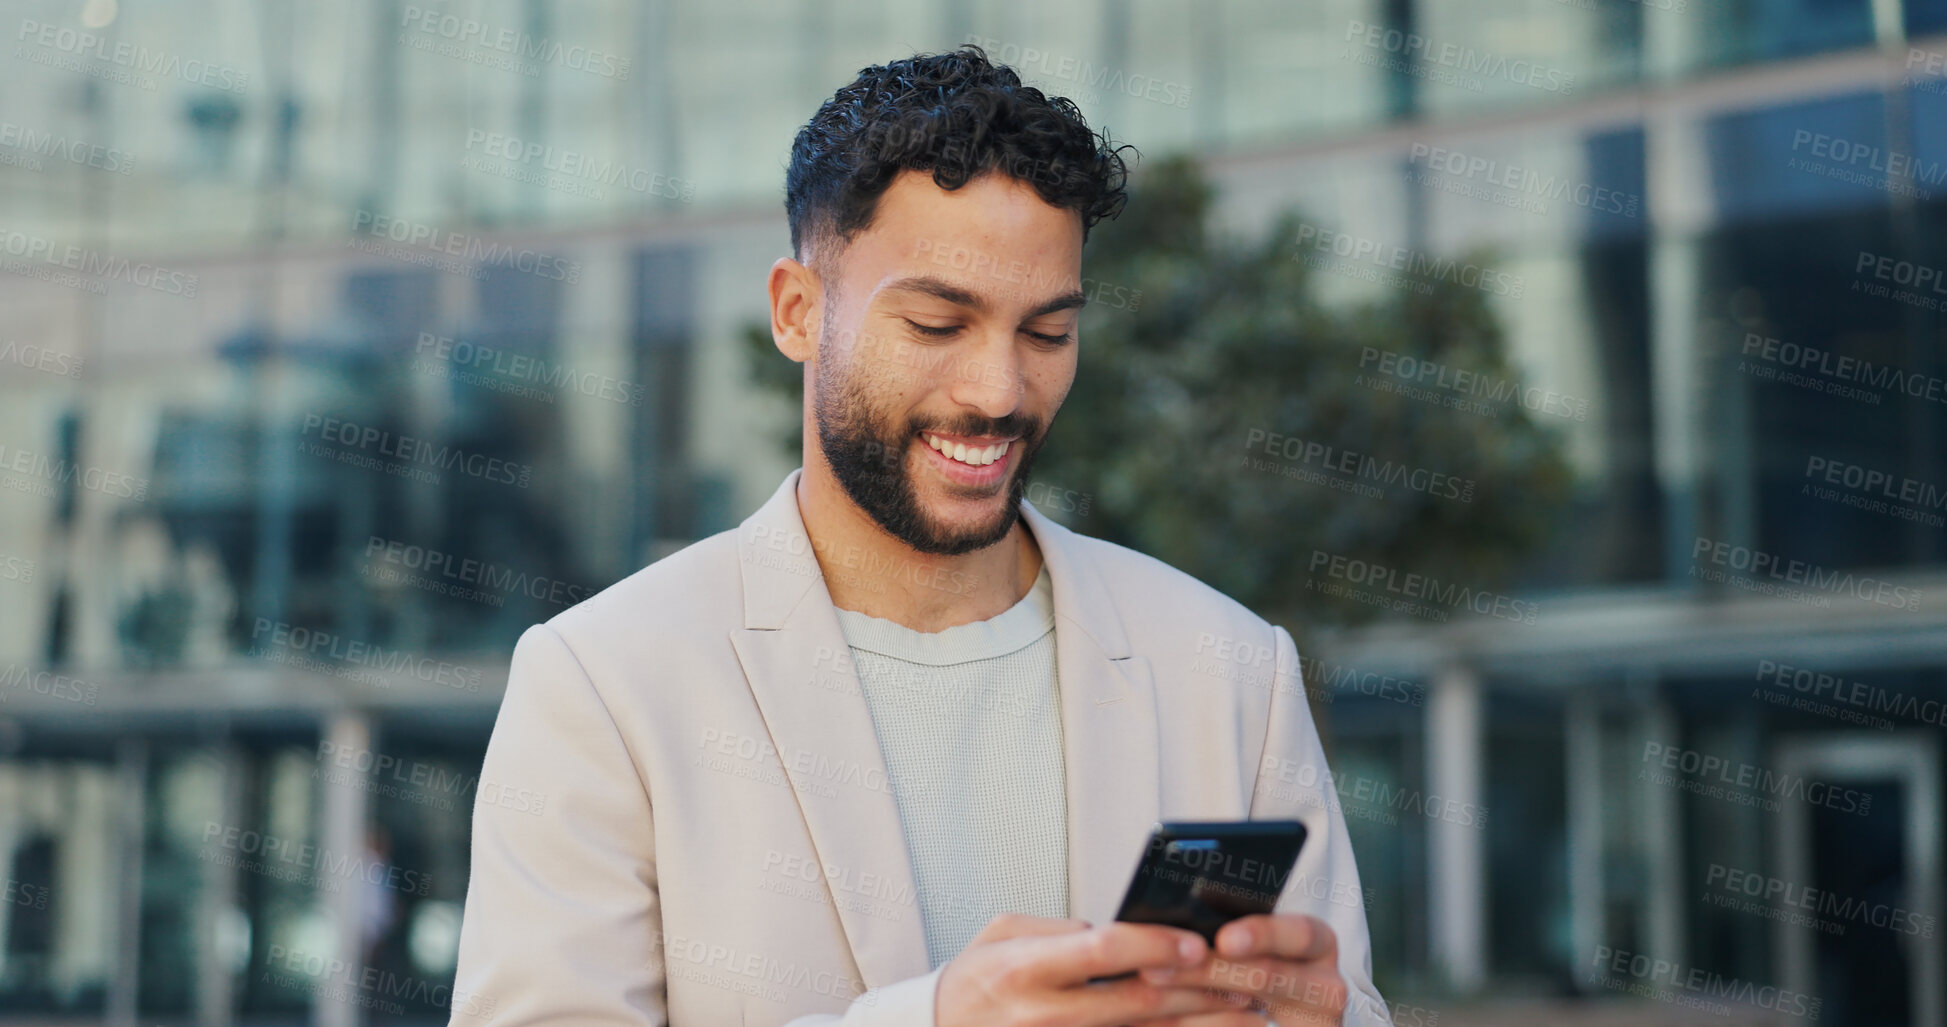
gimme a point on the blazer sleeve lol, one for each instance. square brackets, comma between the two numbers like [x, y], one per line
[1293, 782]
[561, 922]
[907, 1003]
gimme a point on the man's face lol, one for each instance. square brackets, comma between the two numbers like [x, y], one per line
[947, 344]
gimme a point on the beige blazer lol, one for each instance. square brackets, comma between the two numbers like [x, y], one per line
[683, 817]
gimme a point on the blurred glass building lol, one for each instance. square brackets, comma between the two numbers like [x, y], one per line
[344, 341]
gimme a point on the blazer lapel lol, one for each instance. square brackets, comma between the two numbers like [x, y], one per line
[799, 669]
[1109, 727]
[796, 659]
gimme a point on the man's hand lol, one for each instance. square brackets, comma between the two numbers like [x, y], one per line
[1286, 964]
[1025, 971]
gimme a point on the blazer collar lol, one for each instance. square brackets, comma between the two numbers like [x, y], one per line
[790, 648]
[779, 567]
[776, 558]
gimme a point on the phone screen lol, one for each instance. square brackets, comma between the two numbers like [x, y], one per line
[1201, 876]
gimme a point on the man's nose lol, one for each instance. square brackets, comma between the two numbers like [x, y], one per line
[989, 379]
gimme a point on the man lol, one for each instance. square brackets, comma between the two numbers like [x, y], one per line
[888, 752]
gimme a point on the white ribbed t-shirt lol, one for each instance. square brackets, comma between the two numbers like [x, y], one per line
[969, 722]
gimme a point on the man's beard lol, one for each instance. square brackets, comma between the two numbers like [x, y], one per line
[868, 457]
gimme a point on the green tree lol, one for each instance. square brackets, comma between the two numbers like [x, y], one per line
[1196, 350]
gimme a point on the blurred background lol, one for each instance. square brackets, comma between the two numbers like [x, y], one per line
[1565, 374]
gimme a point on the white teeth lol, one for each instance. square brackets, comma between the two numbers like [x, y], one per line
[978, 457]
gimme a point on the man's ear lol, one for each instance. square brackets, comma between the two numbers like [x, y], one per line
[796, 293]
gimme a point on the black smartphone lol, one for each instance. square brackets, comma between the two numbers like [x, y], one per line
[1201, 876]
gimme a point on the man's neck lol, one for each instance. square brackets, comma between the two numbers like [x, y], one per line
[869, 571]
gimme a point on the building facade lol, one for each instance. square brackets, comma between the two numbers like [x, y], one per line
[345, 342]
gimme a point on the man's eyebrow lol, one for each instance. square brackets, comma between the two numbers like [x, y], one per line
[939, 288]
[1067, 301]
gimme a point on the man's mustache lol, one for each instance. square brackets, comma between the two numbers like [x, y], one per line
[1025, 428]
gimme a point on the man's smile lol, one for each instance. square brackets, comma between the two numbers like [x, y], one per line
[969, 459]
[975, 451]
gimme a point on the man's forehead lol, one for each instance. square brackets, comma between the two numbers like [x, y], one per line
[1042, 297]
[997, 250]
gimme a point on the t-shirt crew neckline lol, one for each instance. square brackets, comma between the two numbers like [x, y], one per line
[1011, 630]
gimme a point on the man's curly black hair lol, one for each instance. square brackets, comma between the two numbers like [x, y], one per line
[958, 115]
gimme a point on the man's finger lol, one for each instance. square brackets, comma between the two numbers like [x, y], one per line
[1320, 1001]
[1231, 1018]
[1021, 925]
[1118, 948]
[1131, 1001]
[1290, 991]
[1246, 975]
[1285, 935]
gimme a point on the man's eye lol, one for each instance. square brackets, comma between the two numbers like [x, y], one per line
[1053, 340]
[933, 331]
